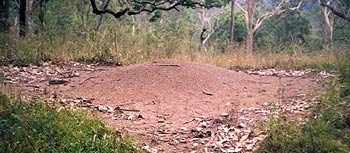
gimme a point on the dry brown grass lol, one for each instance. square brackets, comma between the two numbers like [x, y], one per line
[133, 50]
[240, 60]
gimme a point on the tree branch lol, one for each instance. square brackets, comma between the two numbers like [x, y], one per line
[100, 17]
[241, 8]
[337, 13]
[104, 11]
[261, 19]
[148, 6]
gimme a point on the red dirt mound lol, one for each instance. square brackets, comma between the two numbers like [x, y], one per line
[172, 106]
[182, 89]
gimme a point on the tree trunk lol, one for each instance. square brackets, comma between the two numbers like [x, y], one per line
[250, 5]
[4, 15]
[22, 18]
[249, 16]
[202, 37]
[202, 48]
[232, 22]
[330, 25]
[249, 43]
[41, 13]
[133, 26]
[99, 18]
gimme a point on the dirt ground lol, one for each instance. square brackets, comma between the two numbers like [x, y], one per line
[161, 103]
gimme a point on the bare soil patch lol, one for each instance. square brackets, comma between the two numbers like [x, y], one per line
[165, 103]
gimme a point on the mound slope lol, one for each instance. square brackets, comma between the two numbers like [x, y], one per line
[182, 90]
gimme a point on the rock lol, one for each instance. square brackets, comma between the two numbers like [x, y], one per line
[249, 147]
[224, 115]
[88, 100]
[183, 140]
[195, 139]
[197, 129]
[140, 116]
[233, 150]
[130, 117]
[183, 128]
[148, 149]
[266, 104]
[110, 109]
[203, 124]
[244, 137]
[102, 108]
[242, 125]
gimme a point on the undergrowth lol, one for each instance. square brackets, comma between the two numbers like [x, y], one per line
[36, 127]
[105, 48]
[326, 130]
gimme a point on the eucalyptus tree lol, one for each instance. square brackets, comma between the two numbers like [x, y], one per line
[335, 13]
[253, 23]
[232, 21]
[340, 8]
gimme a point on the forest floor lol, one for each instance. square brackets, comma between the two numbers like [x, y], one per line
[170, 106]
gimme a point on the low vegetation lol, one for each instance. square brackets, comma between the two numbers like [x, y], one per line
[37, 127]
[326, 130]
[32, 50]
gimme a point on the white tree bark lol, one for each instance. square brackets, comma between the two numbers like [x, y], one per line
[329, 19]
[252, 27]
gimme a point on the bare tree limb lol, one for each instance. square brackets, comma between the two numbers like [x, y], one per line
[100, 17]
[337, 13]
[278, 11]
[241, 8]
[253, 26]
[147, 7]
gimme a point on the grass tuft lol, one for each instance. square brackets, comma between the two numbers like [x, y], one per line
[37, 127]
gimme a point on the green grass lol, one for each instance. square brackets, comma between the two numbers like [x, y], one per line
[326, 130]
[36, 127]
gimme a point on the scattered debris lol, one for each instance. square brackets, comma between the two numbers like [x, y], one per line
[289, 73]
[274, 72]
[47, 71]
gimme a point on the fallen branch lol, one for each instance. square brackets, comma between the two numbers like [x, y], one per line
[86, 80]
[33, 86]
[176, 65]
[207, 93]
[56, 81]
[126, 104]
[123, 109]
